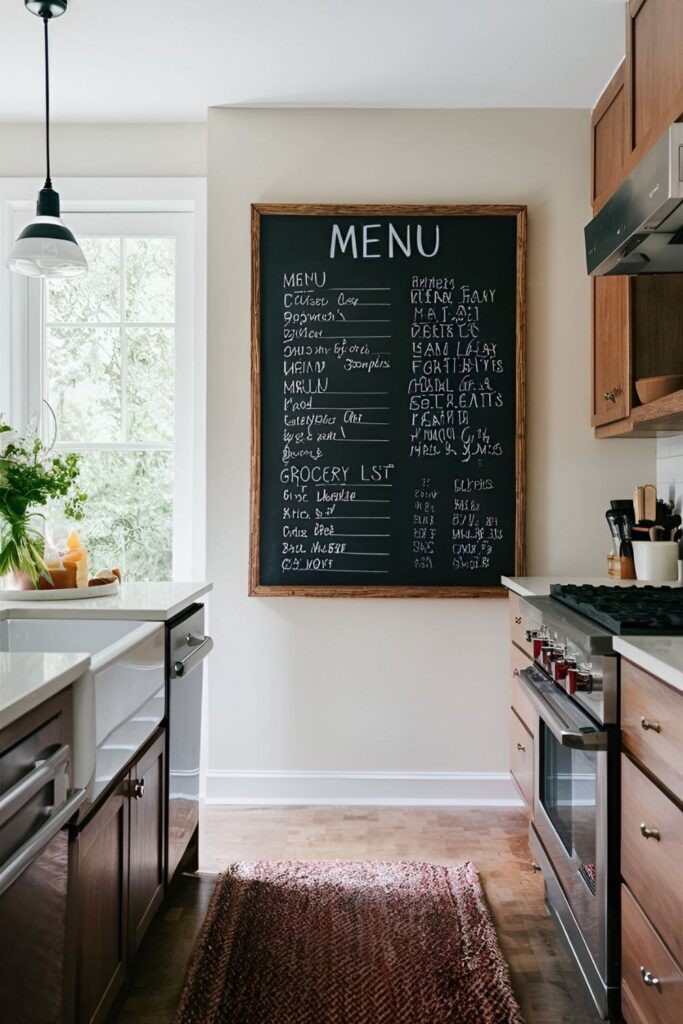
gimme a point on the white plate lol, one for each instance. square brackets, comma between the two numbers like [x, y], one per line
[68, 594]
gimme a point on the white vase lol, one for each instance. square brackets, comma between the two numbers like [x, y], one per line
[16, 580]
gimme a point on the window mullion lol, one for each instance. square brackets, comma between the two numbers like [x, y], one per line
[123, 342]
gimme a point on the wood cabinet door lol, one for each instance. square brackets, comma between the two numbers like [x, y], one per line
[611, 349]
[102, 880]
[610, 136]
[654, 58]
[147, 823]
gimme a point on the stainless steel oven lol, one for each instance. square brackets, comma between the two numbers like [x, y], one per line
[572, 686]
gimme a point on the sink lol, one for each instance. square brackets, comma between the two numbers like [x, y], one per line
[119, 702]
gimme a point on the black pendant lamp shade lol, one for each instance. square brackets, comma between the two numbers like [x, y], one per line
[46, 247]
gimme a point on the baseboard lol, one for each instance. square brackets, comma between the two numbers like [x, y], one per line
[428, 789]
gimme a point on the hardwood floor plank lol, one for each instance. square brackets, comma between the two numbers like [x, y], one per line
[494, 839]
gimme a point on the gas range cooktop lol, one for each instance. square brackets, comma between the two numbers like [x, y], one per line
[627, 611]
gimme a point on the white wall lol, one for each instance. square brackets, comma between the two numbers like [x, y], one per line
[305, 686]
[104, 150]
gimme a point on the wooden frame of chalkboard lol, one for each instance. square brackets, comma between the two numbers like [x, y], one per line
[263, 213]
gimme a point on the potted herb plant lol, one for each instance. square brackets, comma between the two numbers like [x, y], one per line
[30, 475]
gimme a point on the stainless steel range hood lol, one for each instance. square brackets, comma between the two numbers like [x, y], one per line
[640, 228]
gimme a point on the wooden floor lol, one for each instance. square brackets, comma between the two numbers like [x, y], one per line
[543, 976]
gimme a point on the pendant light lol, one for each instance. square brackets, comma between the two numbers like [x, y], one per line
[46, 247]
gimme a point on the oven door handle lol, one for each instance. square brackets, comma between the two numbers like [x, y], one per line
[568, 724]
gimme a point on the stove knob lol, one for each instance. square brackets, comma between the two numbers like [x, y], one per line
[584, 678]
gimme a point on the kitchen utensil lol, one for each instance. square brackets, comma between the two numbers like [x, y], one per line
[649, 389]
[614, 522]
[639, 504]
[623, 505]
[657, 533]
[656, 561]
[650, 502]
[626, 547]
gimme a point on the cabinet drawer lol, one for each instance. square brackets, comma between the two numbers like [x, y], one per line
[652, 866]
[652, 725]
[642, 950]
[518, 701]
[522, 758]
[519, 625]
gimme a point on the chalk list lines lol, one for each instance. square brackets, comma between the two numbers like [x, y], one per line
[336, 406]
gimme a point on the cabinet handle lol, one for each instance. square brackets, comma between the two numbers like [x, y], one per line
[646, 724]
[518, 620]
[649, 978]
[138, 788]
[520, 747]
[611, 395]
[535, 867]
[649, 833]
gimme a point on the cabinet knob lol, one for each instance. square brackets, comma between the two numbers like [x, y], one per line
[137, 788]
[646, 724]
[649, 833]
[535, 867]
[520, 747]
[518, 620]
[649, 978]
[515, 672]
[611, 395]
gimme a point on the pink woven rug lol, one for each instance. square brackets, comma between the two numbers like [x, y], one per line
[337, 942]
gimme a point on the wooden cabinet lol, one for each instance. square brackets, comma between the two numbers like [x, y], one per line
[609, 136]
[651, 848]
[654, 58]
[652, 981]
[637, 321]
[119, 873]
[522, 716]
[611, 349]
[102, 888]
[147, 824]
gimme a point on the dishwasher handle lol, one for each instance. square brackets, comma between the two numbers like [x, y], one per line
[201, 646]
[53, 768]
[34, 846]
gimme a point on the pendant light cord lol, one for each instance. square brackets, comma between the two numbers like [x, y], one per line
[48, 179]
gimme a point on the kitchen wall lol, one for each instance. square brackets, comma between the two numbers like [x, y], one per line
[670, 469]
[392, 699]
[104, 150]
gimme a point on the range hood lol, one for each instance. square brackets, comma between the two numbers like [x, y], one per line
[639, 230]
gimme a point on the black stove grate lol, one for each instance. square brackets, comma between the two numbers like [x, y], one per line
[627, 611]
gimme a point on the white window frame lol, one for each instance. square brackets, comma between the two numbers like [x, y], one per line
[118, 207]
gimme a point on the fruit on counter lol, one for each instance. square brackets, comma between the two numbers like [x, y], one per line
[77, 556]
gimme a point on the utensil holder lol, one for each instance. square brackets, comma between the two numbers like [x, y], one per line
[656, 561]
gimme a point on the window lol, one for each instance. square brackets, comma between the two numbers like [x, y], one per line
[113, 354]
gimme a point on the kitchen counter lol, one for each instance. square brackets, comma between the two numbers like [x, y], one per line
[538, 586]
[26, 680]
[662, 656]
[151, 602]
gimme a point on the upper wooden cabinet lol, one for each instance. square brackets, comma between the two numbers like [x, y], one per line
[610, 135]
[637, 321]
[654, 58]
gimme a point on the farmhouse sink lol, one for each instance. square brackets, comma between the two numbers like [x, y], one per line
[118, 703]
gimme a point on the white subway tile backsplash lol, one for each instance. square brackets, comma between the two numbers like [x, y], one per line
[670, 469]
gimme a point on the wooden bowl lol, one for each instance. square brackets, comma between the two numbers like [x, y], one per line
[649, 389]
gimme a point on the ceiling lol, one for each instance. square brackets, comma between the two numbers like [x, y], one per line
[169, 60]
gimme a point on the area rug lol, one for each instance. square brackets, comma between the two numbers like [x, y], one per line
[338, 942]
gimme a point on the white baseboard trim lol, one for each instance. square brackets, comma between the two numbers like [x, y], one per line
[419, 789]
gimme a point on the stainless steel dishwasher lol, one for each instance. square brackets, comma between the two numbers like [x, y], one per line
[34, 871]
[187, 647]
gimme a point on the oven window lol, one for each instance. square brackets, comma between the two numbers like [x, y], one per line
[568, 794]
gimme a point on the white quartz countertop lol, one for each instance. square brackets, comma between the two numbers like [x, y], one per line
[538, 586]
[26, 680]
[144, 601]
[662, 656]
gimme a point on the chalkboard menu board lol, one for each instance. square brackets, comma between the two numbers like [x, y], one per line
[388, 400]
